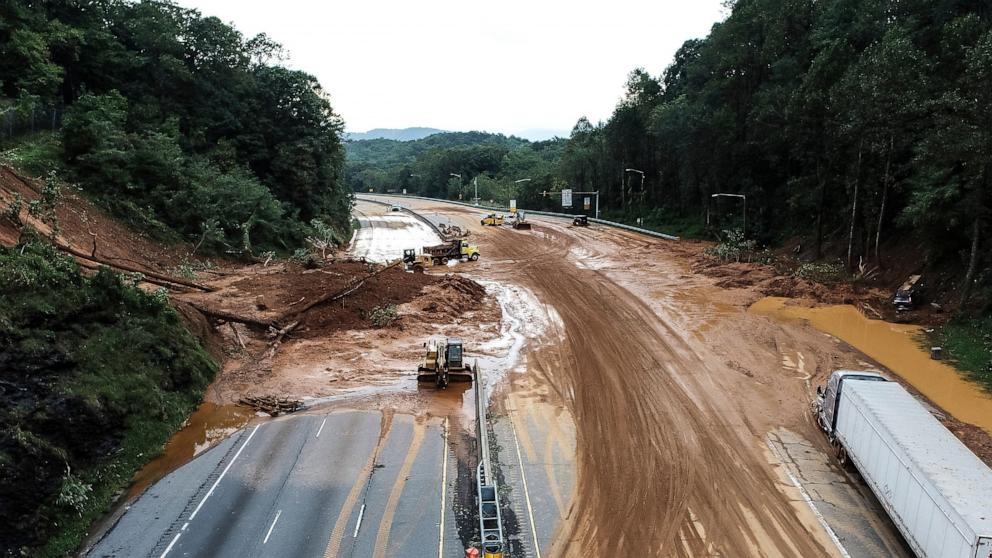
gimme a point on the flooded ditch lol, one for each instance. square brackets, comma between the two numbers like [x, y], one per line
[208, 425]
[899, 348]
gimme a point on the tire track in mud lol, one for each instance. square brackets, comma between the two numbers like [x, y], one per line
[667, 462]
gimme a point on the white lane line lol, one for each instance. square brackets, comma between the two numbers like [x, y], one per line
[168, 549]
[221, 477]
[171, 544]
[444, 491]
[358, 524]
[806, 497]
[321, 429]
[271, 527]
[523, 477]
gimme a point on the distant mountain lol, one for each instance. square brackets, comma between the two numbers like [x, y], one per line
[405, 134]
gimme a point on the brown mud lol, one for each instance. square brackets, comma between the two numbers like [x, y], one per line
[674, 388]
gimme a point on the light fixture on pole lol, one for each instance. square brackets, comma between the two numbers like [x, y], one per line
[740, 196]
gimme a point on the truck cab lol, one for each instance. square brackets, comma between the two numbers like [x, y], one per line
[828, 396]
[469, 251]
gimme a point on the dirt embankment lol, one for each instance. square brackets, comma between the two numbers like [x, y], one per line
[84, 227]
[366, 342]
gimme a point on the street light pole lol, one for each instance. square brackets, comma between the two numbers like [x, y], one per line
[742, 197]
[459, 177]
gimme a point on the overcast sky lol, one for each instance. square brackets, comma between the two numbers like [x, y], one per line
[502, 66]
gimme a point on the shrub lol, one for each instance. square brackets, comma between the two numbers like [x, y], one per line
[823, 272]
[382, 316]
[734, 247]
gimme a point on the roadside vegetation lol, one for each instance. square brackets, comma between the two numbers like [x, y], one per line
[95, 375]
[968, 343]
[175, 122]
[189, 132]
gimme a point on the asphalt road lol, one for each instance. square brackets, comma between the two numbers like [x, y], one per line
[340, 484]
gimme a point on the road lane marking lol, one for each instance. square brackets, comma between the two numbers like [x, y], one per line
[363, 479]
[221, 477]
[271, 527]
[444, 490]
[172, 543]
[358, 524]
[523, 477]
[809, 501]
[321, 429]
[386, 523]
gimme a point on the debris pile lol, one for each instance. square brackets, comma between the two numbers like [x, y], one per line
[271, 404]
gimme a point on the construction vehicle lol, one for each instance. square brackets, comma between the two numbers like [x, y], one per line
[415, 262]
[492, 220]
[581, 221]
[520, 221]
[453, 250]
[910, 294]
[444, 361]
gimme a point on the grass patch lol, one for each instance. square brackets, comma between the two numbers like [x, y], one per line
[660, 220]
[97, 374]
[35, 154]
[968, 344]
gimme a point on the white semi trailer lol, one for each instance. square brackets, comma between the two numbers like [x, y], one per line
[937, 492]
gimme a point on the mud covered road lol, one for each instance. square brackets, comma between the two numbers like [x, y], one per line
[676, 393]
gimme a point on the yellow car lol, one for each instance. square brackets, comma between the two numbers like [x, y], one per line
[492, 220]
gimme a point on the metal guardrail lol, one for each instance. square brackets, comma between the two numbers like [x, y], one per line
[624, 226]
[410, 212]
[490, 515]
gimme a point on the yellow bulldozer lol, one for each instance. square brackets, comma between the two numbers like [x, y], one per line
[492, 220]
[444, 361]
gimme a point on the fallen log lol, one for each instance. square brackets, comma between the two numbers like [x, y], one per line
[226, 316]
[131, 269]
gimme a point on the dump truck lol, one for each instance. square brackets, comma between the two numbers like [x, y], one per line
[453, 250]
[444, 361]
[492, 220]
[936, 491]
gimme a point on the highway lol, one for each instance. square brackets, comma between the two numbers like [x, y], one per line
[352, 483]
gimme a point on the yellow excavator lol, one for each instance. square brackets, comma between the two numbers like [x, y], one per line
[444, 361]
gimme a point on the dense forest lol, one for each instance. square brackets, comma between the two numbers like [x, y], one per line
[172, 120]
[846, 123]
[185, 129]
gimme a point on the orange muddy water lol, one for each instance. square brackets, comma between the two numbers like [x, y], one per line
[209, 424]
[897, 347]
